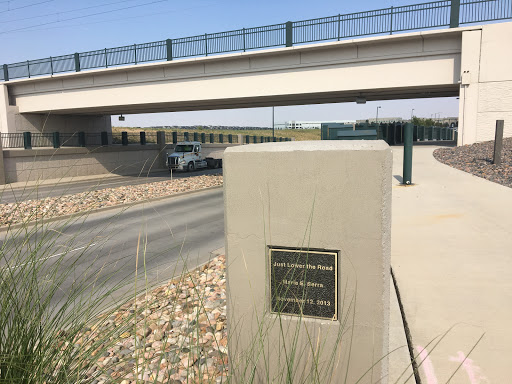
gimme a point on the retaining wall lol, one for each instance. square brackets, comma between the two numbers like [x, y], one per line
[48, 163]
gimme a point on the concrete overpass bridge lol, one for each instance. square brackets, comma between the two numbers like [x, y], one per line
[470, 62]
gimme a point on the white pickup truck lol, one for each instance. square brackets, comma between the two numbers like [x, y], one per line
[187, 157]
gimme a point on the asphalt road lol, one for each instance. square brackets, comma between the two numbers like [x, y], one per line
[168, 235]
[18, 194]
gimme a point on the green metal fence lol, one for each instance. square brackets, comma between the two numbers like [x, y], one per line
[376, 22]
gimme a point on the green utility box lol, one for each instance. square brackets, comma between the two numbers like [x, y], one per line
[337, 131]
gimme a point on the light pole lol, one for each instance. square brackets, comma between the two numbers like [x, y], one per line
[377, 116]
[412, 114]
[273, 136]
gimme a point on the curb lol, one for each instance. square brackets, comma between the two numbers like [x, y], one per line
[6, 228]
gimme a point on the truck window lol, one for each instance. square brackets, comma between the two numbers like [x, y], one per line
[183, 148]
[196, 148]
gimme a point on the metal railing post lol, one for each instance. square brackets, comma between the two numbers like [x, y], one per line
[243, 37]
[51, 64]
[454, 13]
[27, 140]
[142, 138]
[77, 62]
[407, 170]
[135, 53]
[28, 68]
[56, 140]
[391, 23]
[289, 33]
[206, 44]
[124, 138]
[81, 139]
[104, 138]
[168, 44]
[6, 72]
[106, 58]
[339, 27]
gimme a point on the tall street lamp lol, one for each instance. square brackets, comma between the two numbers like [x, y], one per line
[273, 136]
[412, 114]
[377, 117]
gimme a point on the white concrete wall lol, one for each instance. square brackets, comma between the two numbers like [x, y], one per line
[44, 164]
[486, 82]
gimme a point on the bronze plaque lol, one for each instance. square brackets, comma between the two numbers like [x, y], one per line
[304, 282]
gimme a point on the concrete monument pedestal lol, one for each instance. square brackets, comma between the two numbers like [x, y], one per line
[308, 257]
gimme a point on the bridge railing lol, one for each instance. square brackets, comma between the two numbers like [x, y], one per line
[376, 22]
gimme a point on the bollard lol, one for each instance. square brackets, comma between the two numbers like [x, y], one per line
[407, 170]
[262, 139]
[143, 138]
[185, 136]
[212, 138]
[81, 139]
[27, 140]
[104, 138]
[174, 137]
[430, 132]
[221, 138]
[196, 136]
[498, 142]
[124, 138]
[380, 136]
[230, 138]
[254, 139]
[415, 133]
[246, 139]
[203, 138]
[56, 140]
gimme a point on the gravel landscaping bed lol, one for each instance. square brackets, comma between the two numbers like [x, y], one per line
[179, 336]
[477, 160]
[29, 210]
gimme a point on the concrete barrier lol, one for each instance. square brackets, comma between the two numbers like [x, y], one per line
[319, 212]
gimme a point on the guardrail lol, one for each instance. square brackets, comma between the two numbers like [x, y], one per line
[376, 22]
[29, 140]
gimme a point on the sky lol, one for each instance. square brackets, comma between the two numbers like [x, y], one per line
[33, 29]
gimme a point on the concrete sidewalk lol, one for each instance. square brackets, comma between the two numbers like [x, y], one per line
[452, 257]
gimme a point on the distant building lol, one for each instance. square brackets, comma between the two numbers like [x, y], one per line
[293, 124]
[381, 120]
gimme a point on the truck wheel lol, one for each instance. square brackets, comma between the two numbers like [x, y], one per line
[190, 167]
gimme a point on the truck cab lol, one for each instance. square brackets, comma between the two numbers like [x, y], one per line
[187, 156]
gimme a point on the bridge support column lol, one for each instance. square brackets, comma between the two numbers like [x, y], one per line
[6, 121]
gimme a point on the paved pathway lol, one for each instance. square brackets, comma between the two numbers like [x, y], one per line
[452, 256]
